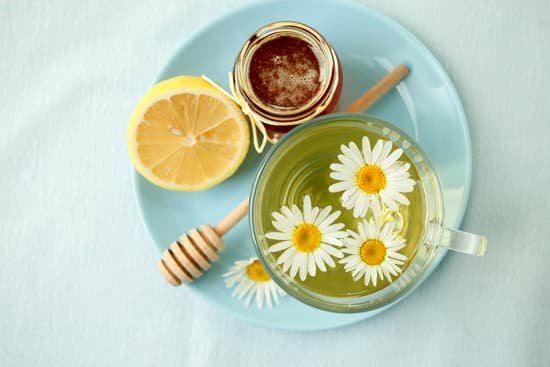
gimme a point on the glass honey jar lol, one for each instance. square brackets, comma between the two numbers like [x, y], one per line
[287, 73]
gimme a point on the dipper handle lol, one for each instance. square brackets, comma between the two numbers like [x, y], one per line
[232, 218]
[379, 89]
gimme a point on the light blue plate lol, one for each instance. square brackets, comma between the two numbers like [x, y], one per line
[425, 106]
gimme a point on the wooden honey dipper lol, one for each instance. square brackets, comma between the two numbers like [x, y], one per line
[194, 252]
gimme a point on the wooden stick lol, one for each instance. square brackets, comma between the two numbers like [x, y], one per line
[232, 218]
[379, 89]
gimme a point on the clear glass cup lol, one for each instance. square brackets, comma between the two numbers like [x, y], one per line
[434, 238]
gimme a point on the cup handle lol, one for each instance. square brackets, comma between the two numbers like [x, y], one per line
[464, 242]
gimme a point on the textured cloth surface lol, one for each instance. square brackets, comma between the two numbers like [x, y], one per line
[77, 285]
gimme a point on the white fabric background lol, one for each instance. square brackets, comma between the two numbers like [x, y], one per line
[77, 281]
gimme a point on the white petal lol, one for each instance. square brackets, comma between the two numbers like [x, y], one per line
[368, 275]
[289, 215]
[349, 250]
[331, 241]
[267, 293]
[295, 265]
[373, 275]
[303, 266]
[259, 298]
[376, 151]
[298, 217]
[358, 273]
[280, 246]
[386, 230]
[385, 272]
[398, 256]
[287, 254]
[397, 170]
[371, 230]
[331, 228]
[323, 215]
[274, 292]
[331, 218]
[355, 261]
[349, 162]
[358, 206]
[326, 258]
[379, 271]
[347, 177]
[348, 204]
[348, 194]
[394, 156]
[307, 209]
[386, 149]
[355, 237]
[406, 185]
[362, 230]
[288, 263]
[278, 236]
[340, 186]
[281, 219]
[249, 297]
[356, 154]
[376, 209]
[242, 289]
[337, 234]
[311, 265]
[396, 177]
[367, 154]
[314, 214]
[390, 203]
[319, 261]
[396, 244]
[282, 226]
[345, 260]
[396, 196]
[339, 167]
[331, 250]
[391, 269]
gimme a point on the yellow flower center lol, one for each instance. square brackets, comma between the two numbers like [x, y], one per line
[373, 252]
[371, 179]
[256, 272]
[306, 237]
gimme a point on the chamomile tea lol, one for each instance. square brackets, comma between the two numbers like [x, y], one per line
[339, 209]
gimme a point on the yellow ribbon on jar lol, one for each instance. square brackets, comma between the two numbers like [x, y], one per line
[255, 120]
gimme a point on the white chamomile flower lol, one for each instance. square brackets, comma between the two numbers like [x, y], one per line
[252, 280]
[368, 176]
[308, 238]
[373, 252]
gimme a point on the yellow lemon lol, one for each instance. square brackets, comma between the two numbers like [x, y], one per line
[186, 135]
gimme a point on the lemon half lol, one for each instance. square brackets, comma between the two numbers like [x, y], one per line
[186, 135]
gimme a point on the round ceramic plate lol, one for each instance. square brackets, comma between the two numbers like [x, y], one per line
[425, 106]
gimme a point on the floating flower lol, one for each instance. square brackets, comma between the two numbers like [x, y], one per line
[252, 280]
[370, 176]
[373, 252]
[309, 238]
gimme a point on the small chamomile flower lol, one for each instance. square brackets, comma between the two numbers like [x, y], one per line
[372, 252]
[253, 282]
[370, 178]
[308, 238]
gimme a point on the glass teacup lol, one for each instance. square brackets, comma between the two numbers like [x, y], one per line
[297, 178]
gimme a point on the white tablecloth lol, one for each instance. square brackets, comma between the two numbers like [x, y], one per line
[77, 281]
